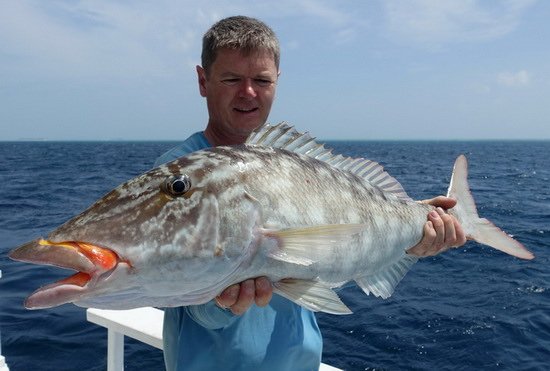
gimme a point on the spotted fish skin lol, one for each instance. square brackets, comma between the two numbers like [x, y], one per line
[281, 206]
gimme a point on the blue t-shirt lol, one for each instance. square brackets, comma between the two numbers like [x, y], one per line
[281, 336]
[194, 143]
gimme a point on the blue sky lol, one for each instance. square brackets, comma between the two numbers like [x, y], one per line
[395, 69]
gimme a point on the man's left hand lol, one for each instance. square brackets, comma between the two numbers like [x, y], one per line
[441, 232]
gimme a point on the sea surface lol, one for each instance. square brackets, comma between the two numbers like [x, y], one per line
[472, 308]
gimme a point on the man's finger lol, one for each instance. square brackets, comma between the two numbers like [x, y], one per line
[439, 226]
[264, 291]
[246, 297]
[441, 201]
[460, 235]
[229, 296]
[450, 233]
[421, 249]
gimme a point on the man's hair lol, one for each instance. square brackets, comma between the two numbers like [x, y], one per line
[248, 35]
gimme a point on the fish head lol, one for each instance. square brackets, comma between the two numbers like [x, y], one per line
[146, 239]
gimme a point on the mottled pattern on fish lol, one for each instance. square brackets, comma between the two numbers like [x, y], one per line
[281, 205]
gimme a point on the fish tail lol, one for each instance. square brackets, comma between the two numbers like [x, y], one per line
[478, 229]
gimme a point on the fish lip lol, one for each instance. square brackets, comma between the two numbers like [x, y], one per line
[90, 261]
[60, 254]
[60, 292]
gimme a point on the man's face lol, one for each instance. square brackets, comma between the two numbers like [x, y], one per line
[239, 90]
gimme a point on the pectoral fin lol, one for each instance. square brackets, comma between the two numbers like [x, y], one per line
[313, 295]
[305, 246]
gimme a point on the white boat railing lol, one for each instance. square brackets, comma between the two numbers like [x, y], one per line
[143, 324]
[3, 364]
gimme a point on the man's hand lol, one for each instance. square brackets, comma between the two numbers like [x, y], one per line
[240, 296]
[441, 232]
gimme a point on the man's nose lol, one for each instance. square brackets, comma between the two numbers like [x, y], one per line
[247, 88]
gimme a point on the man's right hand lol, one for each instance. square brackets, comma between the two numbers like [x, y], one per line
[240, 296]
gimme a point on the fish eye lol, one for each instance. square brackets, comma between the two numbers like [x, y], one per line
[177, 185]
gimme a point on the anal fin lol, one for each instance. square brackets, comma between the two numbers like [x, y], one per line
[312, 295]
[383, 283]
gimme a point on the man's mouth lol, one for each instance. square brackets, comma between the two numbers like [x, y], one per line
[246, 110]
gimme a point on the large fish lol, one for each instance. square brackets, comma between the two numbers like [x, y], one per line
[281, 206]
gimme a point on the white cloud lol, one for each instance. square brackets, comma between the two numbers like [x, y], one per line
[447, 21]
[98, 38]
[328, 14]
[108, 39]
[520, 78]
[480, 88]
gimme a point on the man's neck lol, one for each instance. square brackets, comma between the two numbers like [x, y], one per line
[218, 137]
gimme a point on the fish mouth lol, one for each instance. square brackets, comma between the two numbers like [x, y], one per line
[90, 261]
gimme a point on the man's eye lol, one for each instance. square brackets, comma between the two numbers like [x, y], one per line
[263, 82]
[231, 81]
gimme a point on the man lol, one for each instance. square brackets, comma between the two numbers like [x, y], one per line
[246, 328]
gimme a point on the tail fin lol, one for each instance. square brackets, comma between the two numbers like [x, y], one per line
[478, 229]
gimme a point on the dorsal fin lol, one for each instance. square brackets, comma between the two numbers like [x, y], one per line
[285, 137]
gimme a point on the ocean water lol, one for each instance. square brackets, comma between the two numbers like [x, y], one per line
[468, 309]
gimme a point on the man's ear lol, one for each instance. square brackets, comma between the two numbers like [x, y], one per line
[201, 77]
